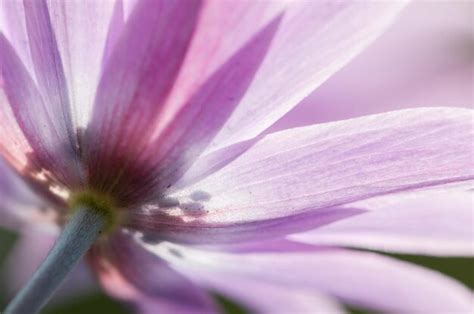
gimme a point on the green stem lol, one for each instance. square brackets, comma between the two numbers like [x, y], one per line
[74, 241]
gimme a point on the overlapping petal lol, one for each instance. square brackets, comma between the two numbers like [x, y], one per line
[135, 275]
[204, 114]
[358, 278]
[34, 78]
[315, 39]
[25, 109]
[311, 168]
[432, 222]
[273, 298]
[18, 203]
[61, 43]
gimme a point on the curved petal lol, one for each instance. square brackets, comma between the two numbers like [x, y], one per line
[311, 168]
[417, 223]
[314, 40]
[317, 38]
[130, 273]
[362, 279]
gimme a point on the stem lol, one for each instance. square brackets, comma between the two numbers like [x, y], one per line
[73, 242]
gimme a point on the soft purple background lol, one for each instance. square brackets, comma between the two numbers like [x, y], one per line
[425, 59]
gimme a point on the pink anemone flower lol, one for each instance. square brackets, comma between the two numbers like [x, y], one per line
[138, 128]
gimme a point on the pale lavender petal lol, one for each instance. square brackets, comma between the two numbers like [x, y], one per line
[81, 29]
[51, 148]
[13, 27]
[129, 272]
[224, 28]
[358, 278]
[316, 38]
[19, 204]
[263, 297]
[135, 84]
[209, 163]
[433, 223]
[50, 77]
[321, 166]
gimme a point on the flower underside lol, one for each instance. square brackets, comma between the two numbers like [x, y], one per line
[100, 203]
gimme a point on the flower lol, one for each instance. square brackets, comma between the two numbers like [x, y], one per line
[156, 109]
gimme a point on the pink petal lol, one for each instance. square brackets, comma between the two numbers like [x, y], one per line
[136, 82]
[358, 278]
[25, 109]
[315, 39]
[132, 274]
[421, 222]
[310, 168]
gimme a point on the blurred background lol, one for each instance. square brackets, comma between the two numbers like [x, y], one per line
[425, 59]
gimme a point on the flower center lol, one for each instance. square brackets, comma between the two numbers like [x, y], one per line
[101, 203]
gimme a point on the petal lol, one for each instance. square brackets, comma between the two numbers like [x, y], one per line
[272, 298]
[204, 114]
[71, 41]
[136, 82]
[311, 168]
[13, 27]
[358, 278]
[14, 147]
[315, 39]
[20, 204]
[422, 222]
[158, 226]
[129, 272]
[81, 29]
[48, 67]
[437, 69]
[25, 107]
